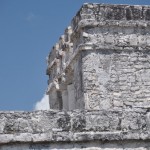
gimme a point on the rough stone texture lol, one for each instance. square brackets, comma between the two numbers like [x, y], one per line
[75, 126]
[75, 129]
[105, 55]
[96, 145]
[99, 75]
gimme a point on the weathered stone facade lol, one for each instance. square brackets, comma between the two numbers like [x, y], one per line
[102, 60]
[99, 86]
[88, 129]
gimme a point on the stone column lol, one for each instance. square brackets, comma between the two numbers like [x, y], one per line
[71, 97]
[53, 100]
[65, 99]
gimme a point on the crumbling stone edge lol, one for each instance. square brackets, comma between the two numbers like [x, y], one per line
[78, 125]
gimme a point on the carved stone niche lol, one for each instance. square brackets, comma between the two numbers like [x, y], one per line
[62, 93]
[67, 90]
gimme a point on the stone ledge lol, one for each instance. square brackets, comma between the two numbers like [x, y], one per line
[72, 137]
[53, 126]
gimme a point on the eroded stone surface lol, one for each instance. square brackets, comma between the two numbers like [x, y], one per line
[104, 55]
[99, 77]
[95, 145]
[52, 126]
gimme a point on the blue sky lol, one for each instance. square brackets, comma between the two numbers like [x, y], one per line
[28, 29]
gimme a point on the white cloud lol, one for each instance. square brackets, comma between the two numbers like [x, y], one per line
[43, 104]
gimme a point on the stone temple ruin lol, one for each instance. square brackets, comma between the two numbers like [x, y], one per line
[98, 87]
[102, 60]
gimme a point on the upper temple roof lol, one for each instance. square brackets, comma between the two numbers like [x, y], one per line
[100, 12]
[94, 14]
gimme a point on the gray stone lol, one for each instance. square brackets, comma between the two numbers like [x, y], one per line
[110, 54]
[98, 87]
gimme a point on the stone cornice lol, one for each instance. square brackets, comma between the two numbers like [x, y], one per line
[106, 12]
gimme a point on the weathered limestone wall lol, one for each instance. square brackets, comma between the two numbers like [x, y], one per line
[117, 79]
[118, 68]
[127, 129]
[109, 65]
[99, 86]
